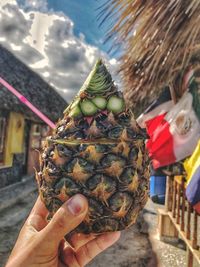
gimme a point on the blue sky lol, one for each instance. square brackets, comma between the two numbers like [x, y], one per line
[84, 15]
[59, 39]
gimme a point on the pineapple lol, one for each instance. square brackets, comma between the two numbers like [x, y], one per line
[97, 150]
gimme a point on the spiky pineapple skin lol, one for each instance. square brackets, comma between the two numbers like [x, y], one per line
[113, 177]
[98, 150]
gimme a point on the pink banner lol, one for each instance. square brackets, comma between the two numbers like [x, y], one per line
[27, 103]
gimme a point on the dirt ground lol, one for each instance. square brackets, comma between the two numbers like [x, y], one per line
[10, 224]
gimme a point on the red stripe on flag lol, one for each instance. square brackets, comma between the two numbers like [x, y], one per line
[160, 145]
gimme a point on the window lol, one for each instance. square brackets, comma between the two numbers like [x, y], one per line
[39, 134]
[36, 130]
[2, 138]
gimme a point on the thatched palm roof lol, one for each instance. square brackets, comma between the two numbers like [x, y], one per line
[29, 84]
[159, 40]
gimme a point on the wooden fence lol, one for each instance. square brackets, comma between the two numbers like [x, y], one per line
[178, 219]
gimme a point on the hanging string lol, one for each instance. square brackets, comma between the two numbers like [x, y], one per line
[25, 101]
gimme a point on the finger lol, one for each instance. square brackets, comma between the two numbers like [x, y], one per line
[37, 218]
[68, 258]
[34, 223]
[67, 218]
[39, 208]
[86, 253]
[79, 240]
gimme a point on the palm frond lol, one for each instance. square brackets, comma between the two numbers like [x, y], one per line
[160, 38]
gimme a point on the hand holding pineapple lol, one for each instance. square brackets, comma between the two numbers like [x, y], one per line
[42, 244]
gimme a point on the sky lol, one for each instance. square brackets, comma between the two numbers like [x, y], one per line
[58, 39]
[84, 18]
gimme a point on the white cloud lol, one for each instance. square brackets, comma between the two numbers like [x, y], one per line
[15, 29]
[4, 2]
[45, 41]
[36, 5]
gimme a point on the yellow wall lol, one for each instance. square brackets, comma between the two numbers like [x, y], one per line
[15, 137]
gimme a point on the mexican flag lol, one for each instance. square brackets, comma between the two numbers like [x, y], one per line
[158, 107]
[174, 135]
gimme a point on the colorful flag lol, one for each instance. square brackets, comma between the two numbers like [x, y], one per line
[174, 136]
[159, 107]
[192, 167]
[193, 188]
[192, 163]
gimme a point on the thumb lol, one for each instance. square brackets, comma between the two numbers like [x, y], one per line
[67, 218]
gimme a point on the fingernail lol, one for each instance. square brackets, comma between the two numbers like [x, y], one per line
[76, 205]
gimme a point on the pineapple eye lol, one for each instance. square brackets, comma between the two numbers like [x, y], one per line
[115, 132]
[66, 184]
[124, 119]
[52, 169]
[127, 176]
[131, 133]
[109, 159]
[101, 117]
[108, 225]
[101, 182]
[120, 202]
[101, 148]
[63, 151]
[93, 182]
[134, 153]
[95, 209]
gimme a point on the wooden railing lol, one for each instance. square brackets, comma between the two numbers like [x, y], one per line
[178, 219]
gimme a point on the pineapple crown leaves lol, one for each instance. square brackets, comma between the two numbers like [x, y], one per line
[159, 37]
[98, 83]
[99, 80]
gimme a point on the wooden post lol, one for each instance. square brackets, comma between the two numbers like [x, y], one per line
[168, 194]
[178, 204]
[174, 200]
[166, 226]
[194, 236]
[189, 258]
[188, 233]
[183, 205]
